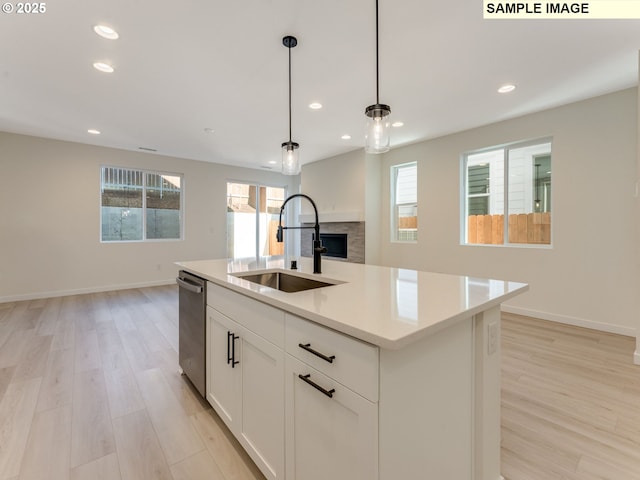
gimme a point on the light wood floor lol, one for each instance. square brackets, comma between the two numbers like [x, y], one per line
[89, 389]
[570, 403]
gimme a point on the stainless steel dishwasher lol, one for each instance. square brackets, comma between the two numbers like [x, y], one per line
[192, 300]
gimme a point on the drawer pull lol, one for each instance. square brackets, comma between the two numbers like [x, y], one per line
[328, 393]
[234, 362]
[307, 347]
[231, 349]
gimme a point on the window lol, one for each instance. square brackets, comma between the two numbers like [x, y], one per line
[252, 220]
[515, 179]
[137, 205]
[404, 194]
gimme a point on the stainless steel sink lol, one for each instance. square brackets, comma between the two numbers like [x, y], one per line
[284, 281]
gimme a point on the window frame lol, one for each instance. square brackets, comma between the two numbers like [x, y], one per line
[144, 172]
[257, 186]
[464, 182]
[394, 206]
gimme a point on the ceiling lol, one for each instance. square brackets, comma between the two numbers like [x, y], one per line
[183, 67]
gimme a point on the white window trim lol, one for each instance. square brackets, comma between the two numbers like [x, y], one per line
[144, 205]
[463, 191]
[394, 207]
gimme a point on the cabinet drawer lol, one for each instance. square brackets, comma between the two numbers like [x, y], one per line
[327, 437]
[345, 359]
[263, 320]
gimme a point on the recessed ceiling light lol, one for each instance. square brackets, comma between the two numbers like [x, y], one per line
[272, 162]
[209, 130]
[315, 106]
[106, 32]
[506, 88]
[93, 131]
[103, 67]
[346, 137]
[397, 124]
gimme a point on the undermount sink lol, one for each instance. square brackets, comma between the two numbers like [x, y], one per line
[284, 282]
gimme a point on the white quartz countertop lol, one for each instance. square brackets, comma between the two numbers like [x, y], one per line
[388, 307]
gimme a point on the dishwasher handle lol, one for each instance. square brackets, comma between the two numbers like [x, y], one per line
[192, 287]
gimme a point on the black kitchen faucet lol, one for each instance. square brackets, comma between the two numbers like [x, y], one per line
[318, 249]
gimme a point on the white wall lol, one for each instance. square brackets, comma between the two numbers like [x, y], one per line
[637, 217]
[50, 218]
[347, 188]
[589, 276]
[336, 185]
[373, 206]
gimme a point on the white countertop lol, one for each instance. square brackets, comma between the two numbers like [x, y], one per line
[388, 307]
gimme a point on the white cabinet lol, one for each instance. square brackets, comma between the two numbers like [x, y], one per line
[262, 431]
[332, 429]
[309, 403]
[245, 380]
[349, 361]
[224, 387]
[331, 432]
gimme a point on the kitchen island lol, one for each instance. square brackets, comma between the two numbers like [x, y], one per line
[385, 373]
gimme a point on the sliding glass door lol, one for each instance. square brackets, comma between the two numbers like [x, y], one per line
[252, 220]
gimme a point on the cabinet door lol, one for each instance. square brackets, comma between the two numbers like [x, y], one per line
[245, 386]
[224, 388]
[262, 432]
[328, 437]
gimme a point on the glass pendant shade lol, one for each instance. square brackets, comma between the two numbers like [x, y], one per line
[377, 138]
[290, 158]
[378, 133]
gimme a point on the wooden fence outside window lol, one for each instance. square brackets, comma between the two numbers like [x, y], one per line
[530, 228]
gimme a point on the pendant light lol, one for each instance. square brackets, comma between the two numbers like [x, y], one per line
[378, 133]
[290, 153]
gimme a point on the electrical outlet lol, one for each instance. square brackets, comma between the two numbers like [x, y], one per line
[493, 338]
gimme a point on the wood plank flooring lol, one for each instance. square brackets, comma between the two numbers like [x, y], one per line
[90, 389]
[570, 403]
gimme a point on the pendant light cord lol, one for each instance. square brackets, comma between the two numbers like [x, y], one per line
[290, 94]
[377, 68]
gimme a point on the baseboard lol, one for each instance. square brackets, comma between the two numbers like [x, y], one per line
[81, 291]
[636, 357]
[576, 322]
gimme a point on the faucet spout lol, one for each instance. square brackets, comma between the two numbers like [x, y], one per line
[318, 249]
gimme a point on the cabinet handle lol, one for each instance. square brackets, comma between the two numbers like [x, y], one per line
[305, 378]
[307, 347]
[234, 362]
[229, 357]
